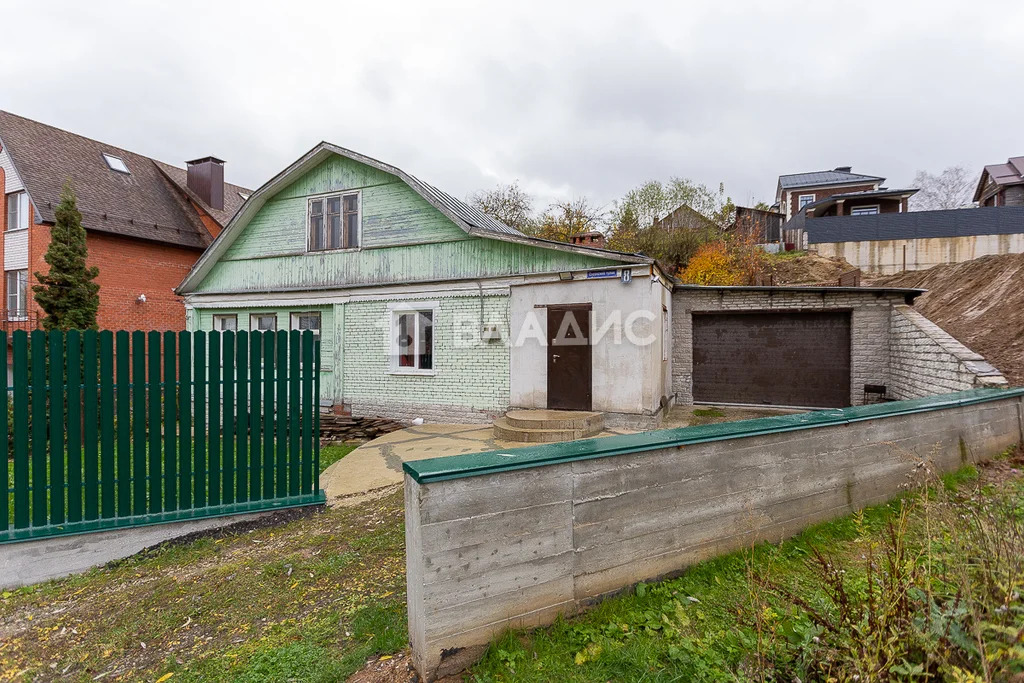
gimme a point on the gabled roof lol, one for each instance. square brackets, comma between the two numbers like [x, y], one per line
[145, 203]
[839, 176]
[1003, 175]
[471, 220]
[881, 193]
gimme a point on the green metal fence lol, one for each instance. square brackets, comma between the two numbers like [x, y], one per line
[116, 429]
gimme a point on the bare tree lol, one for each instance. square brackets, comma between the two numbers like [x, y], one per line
[951, 189]
[510, 204]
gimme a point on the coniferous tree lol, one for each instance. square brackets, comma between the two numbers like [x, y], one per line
[68, 293]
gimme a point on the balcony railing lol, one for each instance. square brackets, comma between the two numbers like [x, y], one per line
[13, 319]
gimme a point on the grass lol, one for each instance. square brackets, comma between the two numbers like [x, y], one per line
[925, 588]
[309, 600]
[332, 454]
[708, 412]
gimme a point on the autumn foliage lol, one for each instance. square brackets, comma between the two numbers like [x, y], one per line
[734, 260]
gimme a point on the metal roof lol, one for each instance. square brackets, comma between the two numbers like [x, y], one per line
[863, 194]
[816, 178]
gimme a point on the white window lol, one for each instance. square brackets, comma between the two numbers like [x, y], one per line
[864, 210]
[225, 323]
[17, 211]
[334, 222]
[805, 199]
[263, 322]
[412, 340]
[307, 321]
[116, 163]
[17, 294]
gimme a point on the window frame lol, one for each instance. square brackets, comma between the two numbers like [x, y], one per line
[108, 157]
[20, 313]
[859, 210]
[21, 201]
[358, 194]
[800, 203]
[254, 321]
[225, 316]
[395, 311]
[294, 315]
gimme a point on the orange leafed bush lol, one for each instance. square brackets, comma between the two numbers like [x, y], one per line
[713, 264]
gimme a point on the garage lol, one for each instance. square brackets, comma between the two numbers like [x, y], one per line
[783, 358]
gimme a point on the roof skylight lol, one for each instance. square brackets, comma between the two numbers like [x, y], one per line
[116, 163]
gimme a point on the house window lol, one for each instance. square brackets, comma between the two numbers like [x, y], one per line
[116, 163]
[263, 322]
[805, 199]
[17, 294]
[864, 210]
[225, 323]
[334, 222]
[412, 335]
[306, 321]
[17, 211]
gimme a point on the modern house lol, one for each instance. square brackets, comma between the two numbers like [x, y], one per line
[852, 192]
[1001, 184]
[426, 307]
[147, 222]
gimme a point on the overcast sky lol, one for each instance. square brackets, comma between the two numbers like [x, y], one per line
[570, 99]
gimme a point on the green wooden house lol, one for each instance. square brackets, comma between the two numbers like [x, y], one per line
[426, 307]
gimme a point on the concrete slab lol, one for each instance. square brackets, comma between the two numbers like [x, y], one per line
[377, 465]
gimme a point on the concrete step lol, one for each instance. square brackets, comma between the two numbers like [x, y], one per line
[556, 419]
[547, 426]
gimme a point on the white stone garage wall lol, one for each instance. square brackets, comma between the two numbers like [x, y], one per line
[470, 383]
[925, 360]
[869, 328]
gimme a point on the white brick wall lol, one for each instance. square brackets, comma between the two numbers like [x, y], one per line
[925, 360]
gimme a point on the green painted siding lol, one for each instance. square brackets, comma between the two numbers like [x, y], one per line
[467, 259]
[468, 372]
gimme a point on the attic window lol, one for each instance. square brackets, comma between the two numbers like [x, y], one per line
[116, 163]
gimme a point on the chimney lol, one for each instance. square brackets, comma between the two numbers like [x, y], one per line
[206, 179]
[844, 169]
[589, 239]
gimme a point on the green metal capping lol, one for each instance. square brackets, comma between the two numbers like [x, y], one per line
[115, 431]
[492, 462]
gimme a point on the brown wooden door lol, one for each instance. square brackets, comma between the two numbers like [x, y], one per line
[778, 358]
[569, 359]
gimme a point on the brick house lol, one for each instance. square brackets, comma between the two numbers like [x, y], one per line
[146, 222]
[851, 193]
[1001, 184]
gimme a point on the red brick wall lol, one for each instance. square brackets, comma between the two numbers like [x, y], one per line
[128, 268]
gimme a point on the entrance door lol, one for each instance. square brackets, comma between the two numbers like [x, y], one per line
[569, 358]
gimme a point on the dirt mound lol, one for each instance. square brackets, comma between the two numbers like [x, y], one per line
[808, 269]
[980, 302]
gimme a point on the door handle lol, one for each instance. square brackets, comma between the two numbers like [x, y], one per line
[555, 355]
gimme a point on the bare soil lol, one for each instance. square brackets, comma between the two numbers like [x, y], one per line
[980, 302]
[809, 269]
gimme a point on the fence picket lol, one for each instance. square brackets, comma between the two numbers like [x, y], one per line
[242, 417]
[268, 414]
[307, 412]
[255, 416]
[170, 420]
[90, 425]
[228, 418]
[21, 431]
[139, 502]
[294, 374]
[153, 432]
[38, 428]
[214, 439]
[73, 348]
[281, 430]
[56, 419]
[123, 396]
[184, 421]
[107, 423]
[199, 421]
[5, 509]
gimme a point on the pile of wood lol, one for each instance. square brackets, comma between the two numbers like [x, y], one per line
[342, 428]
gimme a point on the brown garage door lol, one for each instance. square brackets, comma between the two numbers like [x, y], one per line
[786, 359]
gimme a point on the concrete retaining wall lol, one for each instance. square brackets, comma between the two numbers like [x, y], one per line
[925, 360]
[512, 539]
[892, 256]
